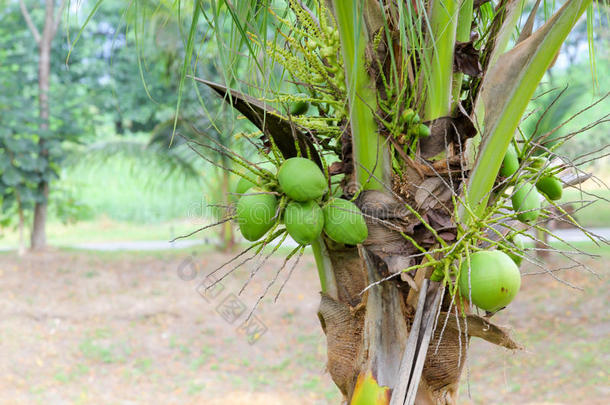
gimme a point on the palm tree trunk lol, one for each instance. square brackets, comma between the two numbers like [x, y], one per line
[368, 332]
[21, 226]
[392, 325]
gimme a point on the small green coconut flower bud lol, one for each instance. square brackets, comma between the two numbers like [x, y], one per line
[423, 130]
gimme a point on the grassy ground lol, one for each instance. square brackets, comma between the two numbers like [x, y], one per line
[108, 230]
[102, 328]
[125, 189]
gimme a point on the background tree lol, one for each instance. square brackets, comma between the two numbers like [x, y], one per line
[103, 94]
[38, 115]
[148, 106]
[43, 39]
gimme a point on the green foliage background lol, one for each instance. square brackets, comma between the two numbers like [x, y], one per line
[117, 90]
[117, 96]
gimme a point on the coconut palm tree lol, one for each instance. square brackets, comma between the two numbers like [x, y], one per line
[413, 105]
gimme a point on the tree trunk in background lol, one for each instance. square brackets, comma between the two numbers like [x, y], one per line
[21, 248]
[38, 240]
[44, 40]
[39, 233]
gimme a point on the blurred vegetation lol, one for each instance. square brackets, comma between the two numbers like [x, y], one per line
[567, 104]
[114, 103]
[144, 194]
[114, 91]
[24, 165]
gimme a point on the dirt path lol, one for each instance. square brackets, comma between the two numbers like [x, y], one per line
[133, 329]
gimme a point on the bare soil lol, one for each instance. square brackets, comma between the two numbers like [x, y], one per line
[118, 328]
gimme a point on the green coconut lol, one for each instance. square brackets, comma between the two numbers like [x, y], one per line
[256, 213]
[510, 163]
[344, 222]
[243, 185]
[526, 202]
[492, 281]
[538, 162]
[408, 116]
[304, 221]
[551, 187]
[301, 179]
[423, 130]
[519, 246]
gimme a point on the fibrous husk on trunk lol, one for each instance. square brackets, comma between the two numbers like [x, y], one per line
[343, 327]
[367, 328]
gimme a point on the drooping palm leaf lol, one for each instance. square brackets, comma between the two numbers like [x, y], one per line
[288, 137]
[506, 91]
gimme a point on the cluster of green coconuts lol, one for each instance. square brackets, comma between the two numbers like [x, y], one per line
[491, 279]
[306, 214]
[526, 198]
